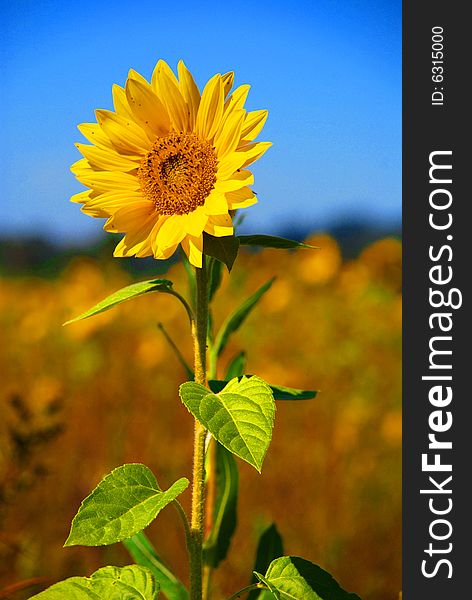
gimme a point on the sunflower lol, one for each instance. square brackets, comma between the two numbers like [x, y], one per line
[170, 163]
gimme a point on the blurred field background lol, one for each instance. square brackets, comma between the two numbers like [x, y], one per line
[78, 401]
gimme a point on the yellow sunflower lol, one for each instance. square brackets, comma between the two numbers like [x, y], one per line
[170, 163]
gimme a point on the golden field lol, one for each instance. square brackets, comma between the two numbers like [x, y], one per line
[78, 401]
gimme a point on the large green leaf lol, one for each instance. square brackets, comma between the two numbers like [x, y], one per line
[240, 417]
[126, 293]
[124, 502]
[225, 249]
[144, 554]
[270, 546]
[110, 583]
[271, 241]
[280, 392]
[225, 512]
[294, 578]
[234, 322]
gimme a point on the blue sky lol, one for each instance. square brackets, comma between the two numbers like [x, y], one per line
[329, 72]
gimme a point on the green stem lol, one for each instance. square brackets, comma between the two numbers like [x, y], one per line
[175, 348]
[199, 330]
[210, 484]
[254, 586]
[184, 302]
[183, 516]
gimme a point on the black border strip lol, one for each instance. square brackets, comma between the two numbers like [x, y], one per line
[427, 128]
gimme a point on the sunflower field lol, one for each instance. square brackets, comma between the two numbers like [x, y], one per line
[78, 401]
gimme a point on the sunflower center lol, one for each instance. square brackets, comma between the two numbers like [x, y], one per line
[178, 173]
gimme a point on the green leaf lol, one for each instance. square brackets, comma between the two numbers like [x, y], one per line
[271, 241]
[234, 322]
[215, 277]
[144, 554]
[240, 417]
[124, 502]
[287, 393]
[235, 368]
[225, 513]
[225, 249]
[270, 547]
[294, 578]
[130, 291]
[279, 392]
[110, 583]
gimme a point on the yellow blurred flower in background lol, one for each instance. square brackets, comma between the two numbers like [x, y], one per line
[170, 163]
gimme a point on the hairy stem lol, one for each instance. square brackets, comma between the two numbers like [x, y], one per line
[210, 511]
[210, 489]
[199, 330]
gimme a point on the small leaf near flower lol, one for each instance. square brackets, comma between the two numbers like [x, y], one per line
[225, 249]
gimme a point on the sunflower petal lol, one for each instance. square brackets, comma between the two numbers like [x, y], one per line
[215, 204]
[241, 198]
[229, 136]
[96, 212]
[141, 249]
[228, 81]
[162, 67]
[253, 124]
[193, 248]
[81, 197]
[253, 151]
[108, 180]
[237, 98]
[238, 180]
[174, 101]
[194, 222]
[81, 166]
[228, 165]
[170, 233]
[220, 225]
[111, 202]
[147, 108]
[107, 159]
[132, 218]
[137, 241]
[120, 101]
[189, 91]
[123, 133]
[132, 74]
[210, 110]
[94, 133]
